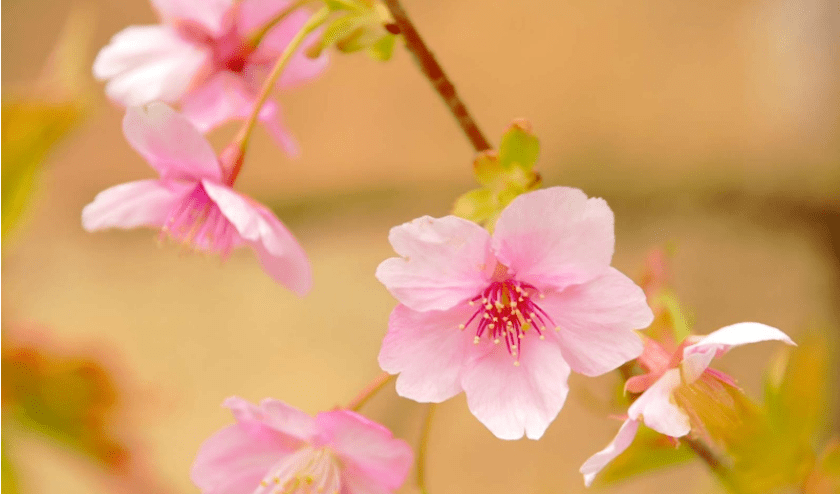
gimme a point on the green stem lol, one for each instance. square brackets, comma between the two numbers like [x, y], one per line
[423, 447]
[371, 389]
[257, 35]
[312, 24]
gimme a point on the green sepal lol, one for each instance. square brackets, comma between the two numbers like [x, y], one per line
[383, 49]
[649, 450]
[519, 148]
[477, 205]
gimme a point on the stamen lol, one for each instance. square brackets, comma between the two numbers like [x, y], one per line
[198, 224]
[507, 312]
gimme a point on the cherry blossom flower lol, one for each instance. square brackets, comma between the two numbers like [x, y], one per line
[209, 56]
[192, 201]
[657, 406]
[275, 448]
[506, 318]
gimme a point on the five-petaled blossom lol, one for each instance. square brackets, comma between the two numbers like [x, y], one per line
[275, 448]
[192, 201]
[505, 318]
[211, 57]
[657, 406]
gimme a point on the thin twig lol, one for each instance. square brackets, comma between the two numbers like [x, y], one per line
[371, 389]
[423, 447]
[437, 77]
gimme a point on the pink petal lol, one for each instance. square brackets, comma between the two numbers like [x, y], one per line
[208, 13]
[225, 97]
[444, 261]
[697, 357]
[170, 143]
[657, 408]
[368, 447]
[595, 322]
[599, 460]
[355, 482]
[515, 400]
[236, 458]
[133, 204]
[555, 237]
[277, 249]
[275, 414]
[428, 351]
[148, 63]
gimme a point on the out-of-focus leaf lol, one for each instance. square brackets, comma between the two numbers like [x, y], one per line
[797, 404]
[649, 451]
[9, 480]
[37, 118]
[779, 450]
[30, 129]
[831, 459]
[67, 398]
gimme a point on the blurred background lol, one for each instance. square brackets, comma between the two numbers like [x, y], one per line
[712, 126]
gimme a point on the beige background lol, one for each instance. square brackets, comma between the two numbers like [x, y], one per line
[713, 124]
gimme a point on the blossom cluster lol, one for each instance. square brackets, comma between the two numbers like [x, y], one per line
[503, 312]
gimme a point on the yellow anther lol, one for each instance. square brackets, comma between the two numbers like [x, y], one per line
[542, 295]
[542, 336]
[470, 303]
[491, 325]
[461, 326]
[516, 363]
[488, 306]
[476, 340]
[496, 341]
[513, 303]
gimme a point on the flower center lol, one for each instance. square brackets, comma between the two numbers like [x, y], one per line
[306, 471]
[198, 223]
[506, 312]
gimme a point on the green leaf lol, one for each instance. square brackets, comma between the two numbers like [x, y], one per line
[519, 148]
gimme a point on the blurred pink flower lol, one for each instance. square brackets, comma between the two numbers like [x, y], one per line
[205, 56]
[277, 448]
[192, 201]
[655, 406]
[468, 300]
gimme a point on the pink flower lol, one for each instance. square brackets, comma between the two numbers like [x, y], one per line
[656, 405]
[204, 56]
[505, 318]
[192, 201]
[275, 448]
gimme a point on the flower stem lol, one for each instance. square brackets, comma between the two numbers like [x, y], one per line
[371, 389]
[433, 71]
[312, 24]
[423, 448]
[257, 35]
[707, 455]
